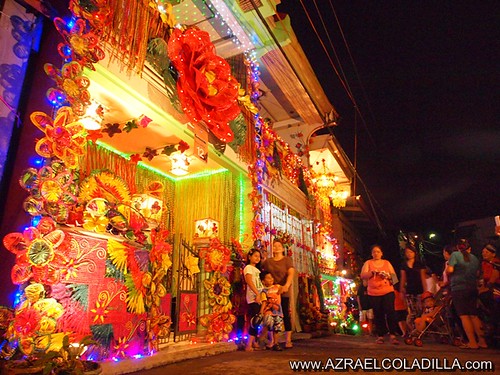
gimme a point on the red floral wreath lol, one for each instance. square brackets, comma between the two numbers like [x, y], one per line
[207, 90]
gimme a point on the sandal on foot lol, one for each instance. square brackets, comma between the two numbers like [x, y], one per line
[380, 340]
[289, 346]
[394, 341]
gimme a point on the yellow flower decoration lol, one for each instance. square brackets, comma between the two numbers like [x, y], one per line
[65, 137]
[218, 289]
[49, 307]
[245, 101]
[192, 264]
[100, 312]
[34, 292]
[121, 347]
[95, 223]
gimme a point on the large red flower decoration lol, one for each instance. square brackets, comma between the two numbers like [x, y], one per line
[41, 253]
[207, 90]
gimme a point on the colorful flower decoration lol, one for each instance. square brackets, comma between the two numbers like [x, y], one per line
[80, 46]
[216, 256]
[166, 10]
[207, 90]
[65, 137]
[96, 12]
[72, 86]
[40, 254]
[137, 282]
[35, 322]
[106, 185]
[100, 312]
[161, 249]
[218, 324]
[121, 347]
[218, 289]
[53, 191]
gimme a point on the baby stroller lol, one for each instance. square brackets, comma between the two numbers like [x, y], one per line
[440, 324]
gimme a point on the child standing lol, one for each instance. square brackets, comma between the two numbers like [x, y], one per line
[271, 310]
[254, 288]
[365, 309]
[401, 310]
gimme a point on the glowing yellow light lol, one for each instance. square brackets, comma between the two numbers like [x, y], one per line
[180, 164]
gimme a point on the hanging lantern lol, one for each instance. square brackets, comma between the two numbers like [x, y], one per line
[339, 197]
[93, 117]
[206, 228]
[180, 164]
[150, 207]
[326, 181]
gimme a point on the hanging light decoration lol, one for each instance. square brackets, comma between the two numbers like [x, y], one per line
[93, 117]
[326, 181]
[180, 164]
[339, 197]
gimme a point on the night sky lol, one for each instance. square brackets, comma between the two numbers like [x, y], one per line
[425, 77]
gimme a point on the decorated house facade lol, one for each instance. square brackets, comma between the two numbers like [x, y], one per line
[147, 148]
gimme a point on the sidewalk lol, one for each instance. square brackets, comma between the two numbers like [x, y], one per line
[179, 351]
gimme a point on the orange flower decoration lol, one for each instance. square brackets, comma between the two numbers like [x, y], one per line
[219, 325]
[41, 253]
[82, 47]
[71, 86]
[207, 90]
[64, 136]
[216, 256]
[96, 12]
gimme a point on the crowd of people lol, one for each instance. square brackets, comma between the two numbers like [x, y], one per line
[408, 304]
[397, 306]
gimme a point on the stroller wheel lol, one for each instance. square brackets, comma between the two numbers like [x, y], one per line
[445, 340]
[418, 342]
[457, 342]
[408, 340]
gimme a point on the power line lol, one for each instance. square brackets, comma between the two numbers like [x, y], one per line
[342, 81]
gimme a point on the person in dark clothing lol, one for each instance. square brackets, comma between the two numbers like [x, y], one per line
[464, 268]
[364, 306]
[412, 283]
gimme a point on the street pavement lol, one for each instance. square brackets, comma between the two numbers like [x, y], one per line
[341, 353]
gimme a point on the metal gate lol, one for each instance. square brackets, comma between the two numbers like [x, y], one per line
[186, 299]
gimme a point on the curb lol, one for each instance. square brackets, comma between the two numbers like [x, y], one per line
[171, 354]
[182, 351]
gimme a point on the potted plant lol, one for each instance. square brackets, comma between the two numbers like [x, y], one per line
[66, 360]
